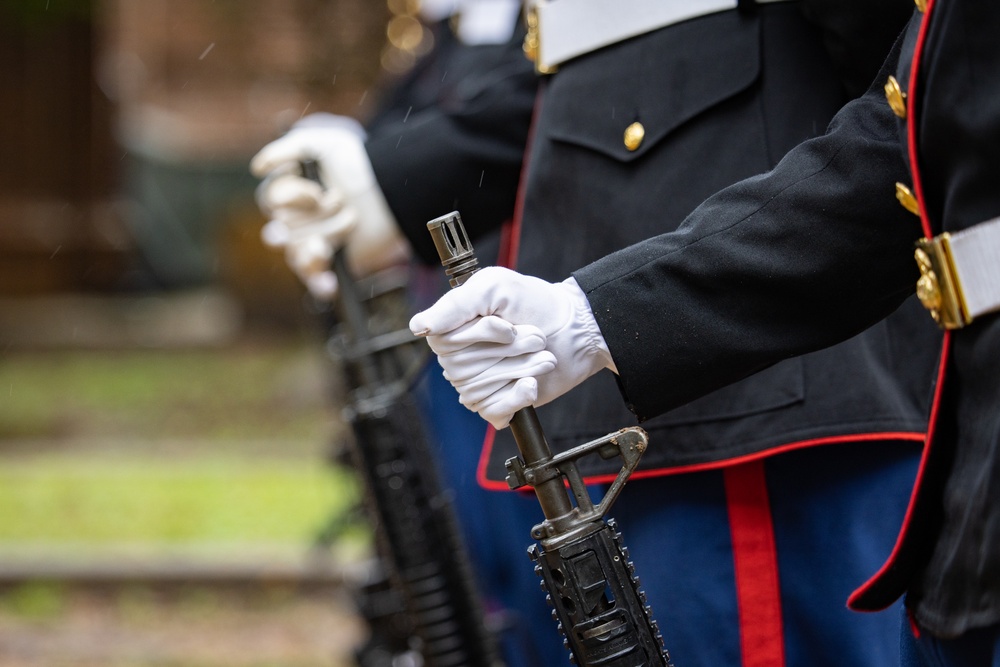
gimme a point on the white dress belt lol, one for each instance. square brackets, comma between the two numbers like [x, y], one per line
[571, 28]
[975, 255]
[960, 274]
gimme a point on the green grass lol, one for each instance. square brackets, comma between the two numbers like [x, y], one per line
[191, 501]
[34, 600]
[168, 447]
[222, 394]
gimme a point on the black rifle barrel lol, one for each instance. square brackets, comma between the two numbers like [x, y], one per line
[412, 513]
[585, 570]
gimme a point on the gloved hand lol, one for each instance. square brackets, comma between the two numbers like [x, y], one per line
[507, 341]
[311, 220]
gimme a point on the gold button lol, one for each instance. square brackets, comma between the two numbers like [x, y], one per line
[634, 135]
[921, 5]
[896, 97]
[906, 198]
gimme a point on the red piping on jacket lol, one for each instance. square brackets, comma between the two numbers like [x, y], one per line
[918, 191]
[911, 115]
[921, 471]
[493, 485]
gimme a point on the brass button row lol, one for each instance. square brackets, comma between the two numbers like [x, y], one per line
[896, 98]
[897, 102]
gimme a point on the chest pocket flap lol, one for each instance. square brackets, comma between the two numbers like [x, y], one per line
[662, 80]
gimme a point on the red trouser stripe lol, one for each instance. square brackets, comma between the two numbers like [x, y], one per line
[755, 558]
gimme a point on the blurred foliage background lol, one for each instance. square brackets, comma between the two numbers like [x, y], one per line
[168, 411]
[169, 447]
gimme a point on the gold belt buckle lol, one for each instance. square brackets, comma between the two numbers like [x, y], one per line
[939, 288]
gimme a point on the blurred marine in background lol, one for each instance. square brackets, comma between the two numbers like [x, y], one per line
[311, 222]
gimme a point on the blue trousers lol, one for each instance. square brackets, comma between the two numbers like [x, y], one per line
[835, 512]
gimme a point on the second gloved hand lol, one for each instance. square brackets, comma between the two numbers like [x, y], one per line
[313, 220]
[507, 341]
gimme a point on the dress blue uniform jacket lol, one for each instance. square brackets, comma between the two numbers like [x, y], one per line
[818, 249]
[721, 98]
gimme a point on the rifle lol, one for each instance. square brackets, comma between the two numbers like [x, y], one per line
[427, 570]
[590, 582]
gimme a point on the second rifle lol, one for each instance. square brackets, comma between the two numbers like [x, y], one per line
[411, 511]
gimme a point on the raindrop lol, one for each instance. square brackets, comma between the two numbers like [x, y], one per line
[205, 52]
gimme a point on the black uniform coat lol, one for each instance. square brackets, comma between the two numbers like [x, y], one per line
[721, 98]
[819, 249]
[465, 152]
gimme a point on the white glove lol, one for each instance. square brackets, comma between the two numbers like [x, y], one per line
[507, 341]
[312, 221]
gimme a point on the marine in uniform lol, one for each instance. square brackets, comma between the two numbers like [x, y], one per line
[822, 247]
[469, 74]
[628, 138]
